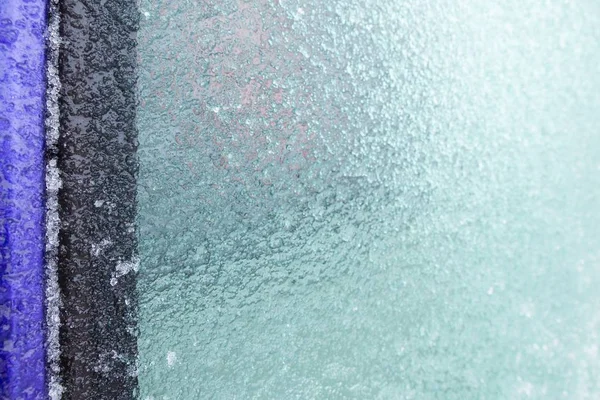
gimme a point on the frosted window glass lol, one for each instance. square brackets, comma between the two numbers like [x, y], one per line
[369, 199]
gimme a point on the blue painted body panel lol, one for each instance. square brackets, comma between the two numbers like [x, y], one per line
[22, 89]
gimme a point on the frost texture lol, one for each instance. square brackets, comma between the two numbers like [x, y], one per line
[98, 166]
[22, 368]
[380, 199]
[52, 221]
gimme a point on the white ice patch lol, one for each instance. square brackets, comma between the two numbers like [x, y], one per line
[123, 268]
[171, 358]
[53, 184]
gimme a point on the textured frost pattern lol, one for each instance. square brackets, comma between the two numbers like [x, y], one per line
[53, 185]
[97, 165]
[369, 199]
[21, 199]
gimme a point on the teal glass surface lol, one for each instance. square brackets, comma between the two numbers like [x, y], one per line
[375, 199]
